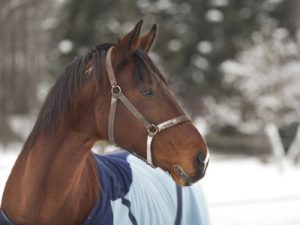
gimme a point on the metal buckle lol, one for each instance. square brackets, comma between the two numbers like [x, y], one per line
[116, 91]
[152, 130]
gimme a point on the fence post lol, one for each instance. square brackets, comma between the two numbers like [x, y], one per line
[277, 147]
[294, 149]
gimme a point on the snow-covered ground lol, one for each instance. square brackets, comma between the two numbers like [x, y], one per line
[243, 191]
[7, 159]
[239, 190]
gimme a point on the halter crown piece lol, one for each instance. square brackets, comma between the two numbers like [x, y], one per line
[117, 94]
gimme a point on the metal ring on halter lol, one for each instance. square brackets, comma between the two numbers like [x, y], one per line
[117, 94]
[116, 90]
[152, 130]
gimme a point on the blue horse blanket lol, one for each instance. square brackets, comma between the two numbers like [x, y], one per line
[133, 193]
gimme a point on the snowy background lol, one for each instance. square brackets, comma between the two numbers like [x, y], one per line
[234, 64]
[239, 190]
[243, 191]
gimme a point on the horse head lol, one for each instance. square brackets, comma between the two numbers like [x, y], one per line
[137, 111]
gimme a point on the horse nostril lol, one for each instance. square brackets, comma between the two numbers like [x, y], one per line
[201, 158]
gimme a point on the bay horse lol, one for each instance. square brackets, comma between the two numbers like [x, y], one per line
[116, 93]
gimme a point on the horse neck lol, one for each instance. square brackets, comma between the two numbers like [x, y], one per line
[50, 179]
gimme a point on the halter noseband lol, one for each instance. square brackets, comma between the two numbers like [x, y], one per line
[117, 94]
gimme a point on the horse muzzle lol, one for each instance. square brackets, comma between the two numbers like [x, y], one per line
[201, 162]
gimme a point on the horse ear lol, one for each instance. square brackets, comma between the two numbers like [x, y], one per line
[148, 39]
[127, 45]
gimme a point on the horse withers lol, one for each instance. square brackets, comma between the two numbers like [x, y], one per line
[116, 93]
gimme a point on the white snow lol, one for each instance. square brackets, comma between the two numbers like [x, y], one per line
[174, 45]
[243, 191]
[8, 156]
[239, 190]
[266, 74]
[205, 47]
[200, 62]
[163, 4]
[219, 3]
[65, 46]
[214, 15]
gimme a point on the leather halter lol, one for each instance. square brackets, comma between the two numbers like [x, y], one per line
[117, 94]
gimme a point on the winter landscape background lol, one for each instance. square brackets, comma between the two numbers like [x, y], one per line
[240, 190]
[233, 64]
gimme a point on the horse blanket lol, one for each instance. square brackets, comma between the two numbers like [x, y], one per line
[133, 193]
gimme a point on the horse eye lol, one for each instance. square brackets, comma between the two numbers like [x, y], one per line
[147, 92]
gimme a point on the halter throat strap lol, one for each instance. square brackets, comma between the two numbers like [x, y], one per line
[117, 94]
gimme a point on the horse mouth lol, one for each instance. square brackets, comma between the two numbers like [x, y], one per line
[185, 179]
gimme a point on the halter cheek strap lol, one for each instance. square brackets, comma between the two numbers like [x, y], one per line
[117, 94]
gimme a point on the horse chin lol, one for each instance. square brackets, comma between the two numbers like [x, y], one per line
[180, 181]
[180, 177]
[183, 179]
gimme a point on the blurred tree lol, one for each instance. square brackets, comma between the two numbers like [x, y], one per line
[22, 57]
[266, 78]
[195, 38]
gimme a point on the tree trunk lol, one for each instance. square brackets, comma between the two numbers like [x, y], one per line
[294, 6]
[273, 133]
[20, 52]
[294, 150]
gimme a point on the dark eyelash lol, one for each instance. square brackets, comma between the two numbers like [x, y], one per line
[147, 92]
